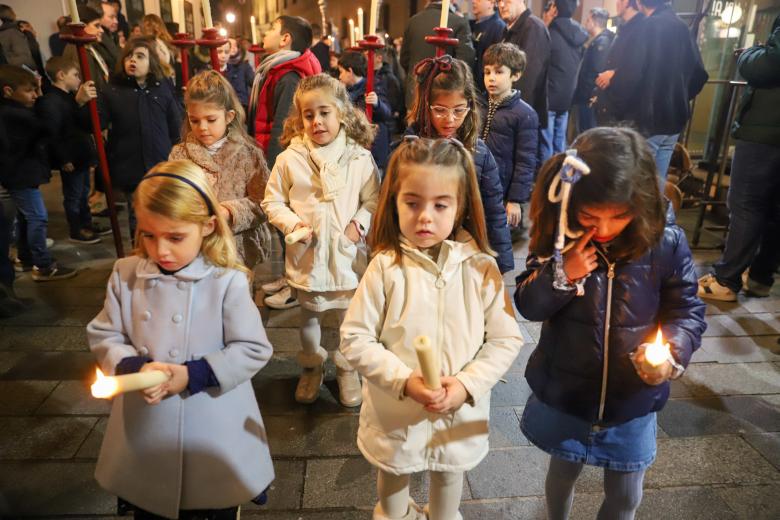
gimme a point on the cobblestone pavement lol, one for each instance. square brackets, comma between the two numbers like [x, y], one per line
[718, 437]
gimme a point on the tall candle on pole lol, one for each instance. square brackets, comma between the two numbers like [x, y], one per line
[351, 32]
[372, 17]
[445, 13]
[182, 17]
[74, 11]
[254, 30]
[207, 13]
[360, 23]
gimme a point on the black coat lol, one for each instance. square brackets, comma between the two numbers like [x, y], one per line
[513, 137]
[382, 116]
[531, 36]
[567, 39]
[145, 124]
[321, 51]
[395, 96]
[23, 154]
[240, 75]
[69, 130]
[565, 369]
[485, 33]
[594, 62]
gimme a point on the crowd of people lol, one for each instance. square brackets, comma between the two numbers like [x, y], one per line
[401, 225]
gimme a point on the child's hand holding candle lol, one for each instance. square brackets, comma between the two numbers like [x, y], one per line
[652, 361]
[301, 233]
[177, 382]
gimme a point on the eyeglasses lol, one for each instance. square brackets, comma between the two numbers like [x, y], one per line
[440, 112]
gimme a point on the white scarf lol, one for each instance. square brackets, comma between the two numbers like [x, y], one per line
[326, 159]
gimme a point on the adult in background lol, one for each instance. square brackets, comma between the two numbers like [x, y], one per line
[487, 28]
[567, 39]
[754, 192]
[98, 67]
[15, 45]
[593, 62]
[319, 47]
[108, 45]
[57, 44]
[414, 49]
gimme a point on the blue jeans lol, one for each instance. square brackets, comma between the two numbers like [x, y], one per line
[754, 216]
[31, 227]
[75, 195]
[586, 118]
[662, 147]
[7, 211]
[554, 136]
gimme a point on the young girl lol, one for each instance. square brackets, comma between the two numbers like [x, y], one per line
[431, 250]
[327, 182]
[445, 106]
[144, 117]
[628, 272]
[181, 304]
[214, 137]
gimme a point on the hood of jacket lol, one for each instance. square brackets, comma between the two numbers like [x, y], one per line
[571, 31]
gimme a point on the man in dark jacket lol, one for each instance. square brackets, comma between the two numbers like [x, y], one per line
[754, 192]
[414, 49]
[393, 88]
[567, 39]
[319, 48]
[487, 28]
[57, 44]
[16, 47]
[593, 62]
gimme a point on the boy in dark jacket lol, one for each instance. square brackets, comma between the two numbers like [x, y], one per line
[237, 71]
[24, 167]
[511, 127]
[71, 149]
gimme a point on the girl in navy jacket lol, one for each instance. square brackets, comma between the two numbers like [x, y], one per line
[628, 273]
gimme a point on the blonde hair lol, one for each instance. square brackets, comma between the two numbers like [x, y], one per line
[385, 234]
[175, 199]
[354, 121]
[212, 87]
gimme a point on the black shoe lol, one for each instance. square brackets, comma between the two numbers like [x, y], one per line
[53, 272]
[100, 230]
[104, 212]
[85, 236]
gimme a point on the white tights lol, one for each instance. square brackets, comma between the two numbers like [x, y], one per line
[311, 328]
[444, 494]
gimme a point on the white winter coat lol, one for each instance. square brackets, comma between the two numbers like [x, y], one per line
[461, 305]
[207, 450]
[294, 194]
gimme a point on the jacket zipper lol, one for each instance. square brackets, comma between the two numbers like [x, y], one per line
[605, 364]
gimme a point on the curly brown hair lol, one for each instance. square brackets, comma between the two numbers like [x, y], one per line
[156, 71]
[353, 121]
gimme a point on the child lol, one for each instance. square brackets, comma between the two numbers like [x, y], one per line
[181, 305]
[72, 151]
[352, 74]
[25, 166]
[511, 127]
[238, 72]
[445, 106]
[431, 250]
[140, 104]
[214, 137]
[594, 396]
[327, 182]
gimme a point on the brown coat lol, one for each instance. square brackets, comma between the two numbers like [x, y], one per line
[238, 173]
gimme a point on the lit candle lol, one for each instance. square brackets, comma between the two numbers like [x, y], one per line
[254, 30]
[74, 11]
[429, 365]
[360, 23]
[657, 352]
[297, 235]
[445, 13]
[107, 387]
[351, 32]
[372, 17]
[207, 14]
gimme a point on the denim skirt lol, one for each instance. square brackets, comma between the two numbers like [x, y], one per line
[624, 447]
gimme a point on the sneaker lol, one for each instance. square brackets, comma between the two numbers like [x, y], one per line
[275, 286]
[21, 267]
[100, 230]
[53, 272]
[711, 289]
[350, 394]
[49, 243]
[284, 299]
[85, 236]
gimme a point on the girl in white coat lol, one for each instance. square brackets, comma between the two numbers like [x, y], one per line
[434, 275]
[182, 305]
[325, 183]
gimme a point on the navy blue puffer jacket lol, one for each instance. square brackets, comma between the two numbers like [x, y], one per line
[565, 370]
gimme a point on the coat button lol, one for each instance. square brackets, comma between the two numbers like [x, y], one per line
[146, 316]
[143, 351]
[182, 285]
[173, 353]
[152, 283]
[440, 283]
[177, 318]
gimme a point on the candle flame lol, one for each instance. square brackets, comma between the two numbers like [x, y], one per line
[658, 351]
[104, 387]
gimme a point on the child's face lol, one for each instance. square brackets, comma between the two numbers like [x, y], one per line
[448, 110]
[273, 40]
[223, 53]
[171, 244]
[71, 79]
[137, 63]
[498, 80]
[209, 122]
[427, 203]
[347, 77]
[23, 94]
[321, 119]
[609, 221]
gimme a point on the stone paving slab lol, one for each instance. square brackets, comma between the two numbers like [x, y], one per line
[514, 392]
[66, 295]
[287, 339]
[505, 428]
[74, 398]
[47, 366]
[42, 437]
[23, 397]
[718, 415]
[747, 349]
[43, 338]
[90, 448]
[752, 502]
[286, 490]
[277, 397]
[41, 314]
[760, 324]
[767, 444]
[732, 379]
[312, 436]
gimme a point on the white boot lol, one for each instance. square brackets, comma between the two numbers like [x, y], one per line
[427, 513]
[413, 513]
[350, 393]
[312, 375]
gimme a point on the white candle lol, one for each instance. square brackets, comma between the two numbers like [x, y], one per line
[207, 14]
[360, 23]
[297, 235]
[429, 365]
[357, 35]
[351, 32]
[182, 17]
[445, 13]
[254, 30]
[74, 11]
[657, 352]
[372, 17]
[106, 387]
